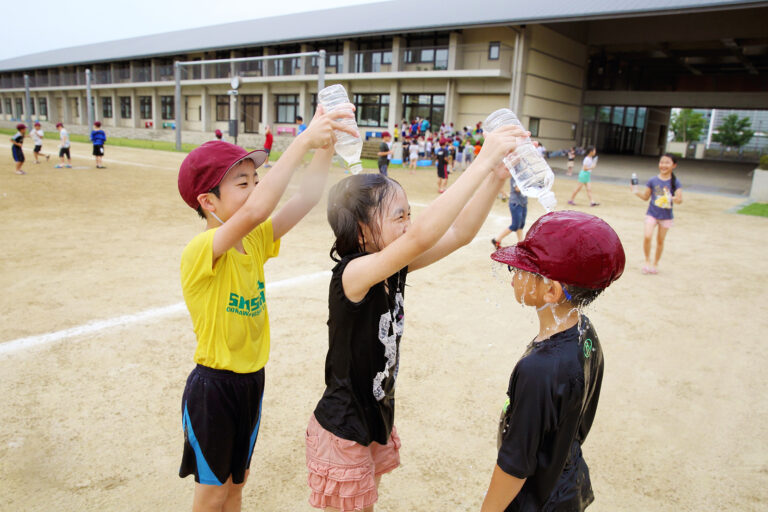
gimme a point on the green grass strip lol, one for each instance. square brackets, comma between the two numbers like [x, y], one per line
[756, 209]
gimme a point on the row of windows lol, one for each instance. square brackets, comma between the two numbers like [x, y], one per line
[372, 109]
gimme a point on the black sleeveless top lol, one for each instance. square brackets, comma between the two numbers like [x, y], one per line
[363, 359]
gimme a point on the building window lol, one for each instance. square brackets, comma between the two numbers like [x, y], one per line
[43, 107]
[425, 106]
[494, 49]
[222, 108]
[427, 49]
[166, 107]
[19, 107]
[8, 108]
[106, 107]
[371, 109]
[287, 107]
[142, 71]
[533, 126]
[145, 107]
[32, 107]
[125, 107]
[124, 71]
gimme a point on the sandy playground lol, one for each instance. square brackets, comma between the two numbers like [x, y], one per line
[90, 398]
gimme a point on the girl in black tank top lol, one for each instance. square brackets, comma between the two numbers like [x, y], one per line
[376, 246]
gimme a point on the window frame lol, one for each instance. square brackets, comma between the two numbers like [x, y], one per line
[281, 101]
[145, 107]
[106, 107]
[167, 108]
[222, 103]
[125, 105]
[534, 126]
[494, 45]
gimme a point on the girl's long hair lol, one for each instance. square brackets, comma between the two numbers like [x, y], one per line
[354, 202]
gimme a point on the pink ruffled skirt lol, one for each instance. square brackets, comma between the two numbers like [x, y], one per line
[342, 473]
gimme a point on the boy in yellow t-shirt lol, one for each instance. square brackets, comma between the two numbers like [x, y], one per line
[222, 277]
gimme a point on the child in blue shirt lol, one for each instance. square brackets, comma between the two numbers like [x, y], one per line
[98, 138]
[664, 190]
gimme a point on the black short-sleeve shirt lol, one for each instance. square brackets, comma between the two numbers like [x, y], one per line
[363, 359]
[442, 156]
[552, 399]
[383, 159]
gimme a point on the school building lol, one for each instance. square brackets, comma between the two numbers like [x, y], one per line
[577, 73]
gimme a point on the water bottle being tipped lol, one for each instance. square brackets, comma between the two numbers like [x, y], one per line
[347, 146]
[531, 173]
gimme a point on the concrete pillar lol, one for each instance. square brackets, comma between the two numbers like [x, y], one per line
[135, 118]
[155, 105]
[232, 65]
[267, 107]
[397, 57]
[348, 56]
[67, 106]
[454, 40]
[204, 110]
[267, 64]
[451, 102]
[98, 108]
[49, 99]
[82, 109]
[395, 105]
[115, 107]
[153, 70]
[304, 103]
[113, 74]
[305, 61]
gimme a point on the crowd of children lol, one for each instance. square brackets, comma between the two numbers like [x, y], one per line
[97, 137]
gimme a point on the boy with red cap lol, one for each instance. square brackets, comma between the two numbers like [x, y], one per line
[566, 260]
[384, 153]
[37, 137]
[222, 278]
[16, 149]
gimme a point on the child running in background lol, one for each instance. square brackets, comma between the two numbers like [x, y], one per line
[63, 148]
[413, 155]
[585, 176]
[222, 277]
[663, 190]
[571, 157]
[98, 138]
[351, 439]
[441, 155]
[567, 259]
[17, 150]
[518, 209]
[37, 138]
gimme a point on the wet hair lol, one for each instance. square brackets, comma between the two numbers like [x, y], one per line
[581, 297]
[215, 191]
[353, 202]
[672, 187]
[590, 149]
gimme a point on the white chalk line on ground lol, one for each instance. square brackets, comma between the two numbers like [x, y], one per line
[19, 344]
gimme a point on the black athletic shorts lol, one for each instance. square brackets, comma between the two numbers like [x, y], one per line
[98, 150]
[63, 152]
[18, 154]
[221, 413]
[37, 148]
[441, 172]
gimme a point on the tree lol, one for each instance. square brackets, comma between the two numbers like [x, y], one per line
[734, 132]
[688, 125]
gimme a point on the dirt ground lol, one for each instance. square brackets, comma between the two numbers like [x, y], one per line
[91, 421]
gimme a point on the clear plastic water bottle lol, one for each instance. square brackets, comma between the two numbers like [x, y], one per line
[531, 173]
[347, 146]
[634, 182]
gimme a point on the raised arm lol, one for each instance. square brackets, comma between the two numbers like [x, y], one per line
[469, 221]
[264, 197]
[307, 197]
[362, 273]
[644, 194]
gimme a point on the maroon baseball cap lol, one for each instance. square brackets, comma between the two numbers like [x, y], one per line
[385, 134]
[206, 166]
[570, 247]
[21, 126]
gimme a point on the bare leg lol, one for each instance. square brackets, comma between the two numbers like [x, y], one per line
[589, 193]
[578, 187]
[504, 233]
[647, 236]
[520, 236]
[660, 236]
[219, 498]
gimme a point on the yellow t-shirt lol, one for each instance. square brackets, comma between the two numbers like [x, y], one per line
[226, 300]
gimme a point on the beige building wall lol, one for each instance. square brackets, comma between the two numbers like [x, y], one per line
[655, 138]
[555, 68]
[476, 107]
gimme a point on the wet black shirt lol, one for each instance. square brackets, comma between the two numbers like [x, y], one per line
[552, 399]
[383, 159]
[363, 359]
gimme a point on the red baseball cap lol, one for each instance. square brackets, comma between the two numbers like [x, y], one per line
[385, 134]
[206, 166]
[21, 126]
[570, 247]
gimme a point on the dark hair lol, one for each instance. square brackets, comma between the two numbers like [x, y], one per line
[299, 118]
[672, 186]
[215, 191]
[590, 149]
[352, 202]
[581, 297]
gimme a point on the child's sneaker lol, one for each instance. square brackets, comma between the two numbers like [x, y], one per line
[58, 166]
[571, 203]
[68, 166]
[496, 244]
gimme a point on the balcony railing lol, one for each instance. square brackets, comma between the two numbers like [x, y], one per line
[414, 59]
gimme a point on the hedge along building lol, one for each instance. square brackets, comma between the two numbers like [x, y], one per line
[604, 73]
